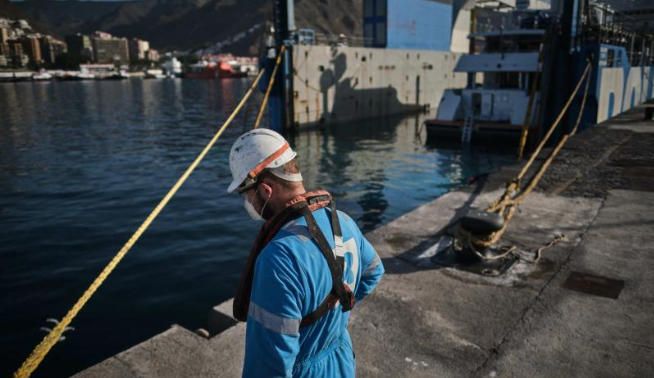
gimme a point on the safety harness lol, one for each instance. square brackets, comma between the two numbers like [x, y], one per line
[302, 205]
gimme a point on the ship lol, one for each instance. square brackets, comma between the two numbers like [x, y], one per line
[42, 75]
[75, 76]
[220, 66]
[154, 74]
[114, 75]
[501, 78]
[524, 64]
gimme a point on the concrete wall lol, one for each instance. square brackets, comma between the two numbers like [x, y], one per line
[340, 83]
[460, 30]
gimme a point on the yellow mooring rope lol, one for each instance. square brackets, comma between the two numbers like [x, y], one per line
[526, 124]
[38, 354]
[271, 82]
[513, 196]
[514, 184]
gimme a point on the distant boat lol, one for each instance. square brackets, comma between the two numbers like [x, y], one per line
[154, 74]
[74, 76]
[209, 69]
[42, 76]
[172, 67]
[114, 75]
[202, 70]
[85, 76]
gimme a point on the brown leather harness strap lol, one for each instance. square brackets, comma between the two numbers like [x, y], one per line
[313, 200]
[340, 291]
[302, 205]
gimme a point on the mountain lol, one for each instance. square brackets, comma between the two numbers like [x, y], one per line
[8, 10]
[190, 24]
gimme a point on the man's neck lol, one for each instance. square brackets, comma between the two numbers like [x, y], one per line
[284, 198]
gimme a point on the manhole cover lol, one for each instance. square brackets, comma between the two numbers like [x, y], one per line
[594, 285]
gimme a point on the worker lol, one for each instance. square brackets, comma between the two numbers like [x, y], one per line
[307, 267]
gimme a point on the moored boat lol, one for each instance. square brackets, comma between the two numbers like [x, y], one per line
[154, 74]
[501, 78]
[42, 76]
[218, 66]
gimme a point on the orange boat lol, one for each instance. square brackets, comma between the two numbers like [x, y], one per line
[208, 69]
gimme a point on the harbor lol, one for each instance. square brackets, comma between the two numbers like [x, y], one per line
[584, 306]
[497, 155]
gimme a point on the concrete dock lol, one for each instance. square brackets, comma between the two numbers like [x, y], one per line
[585, 309]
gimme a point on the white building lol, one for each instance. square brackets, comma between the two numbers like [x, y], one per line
[138, 49]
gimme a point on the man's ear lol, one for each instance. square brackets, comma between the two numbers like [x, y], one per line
[265, 189]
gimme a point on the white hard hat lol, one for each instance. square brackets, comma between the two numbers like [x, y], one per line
[255, 151]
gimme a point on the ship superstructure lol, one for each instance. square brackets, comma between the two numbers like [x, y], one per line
[502, 71]
[525, 63]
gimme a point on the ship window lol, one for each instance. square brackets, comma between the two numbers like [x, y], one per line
[508, 80]
[610, 58]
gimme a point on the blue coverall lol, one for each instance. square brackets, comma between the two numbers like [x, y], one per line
[291, 279]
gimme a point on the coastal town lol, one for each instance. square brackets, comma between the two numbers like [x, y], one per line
[26, 54]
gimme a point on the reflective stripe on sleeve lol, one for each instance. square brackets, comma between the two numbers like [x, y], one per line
[274, 322]
[373, 264]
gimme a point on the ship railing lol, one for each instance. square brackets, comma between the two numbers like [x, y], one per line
[342, 40]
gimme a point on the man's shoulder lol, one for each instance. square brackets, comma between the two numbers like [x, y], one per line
[297, 230]
[345, 217]
[289, 242]
[277, 253]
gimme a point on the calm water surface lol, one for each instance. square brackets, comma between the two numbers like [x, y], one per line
[83, 163]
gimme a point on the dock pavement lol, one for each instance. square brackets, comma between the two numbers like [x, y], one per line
[586, 309]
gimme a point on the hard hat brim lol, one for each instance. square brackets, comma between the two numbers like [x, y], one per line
[232, 187]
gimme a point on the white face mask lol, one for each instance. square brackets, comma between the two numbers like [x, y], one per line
[251, 211]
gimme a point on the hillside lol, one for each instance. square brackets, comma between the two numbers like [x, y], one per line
[189, 24]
